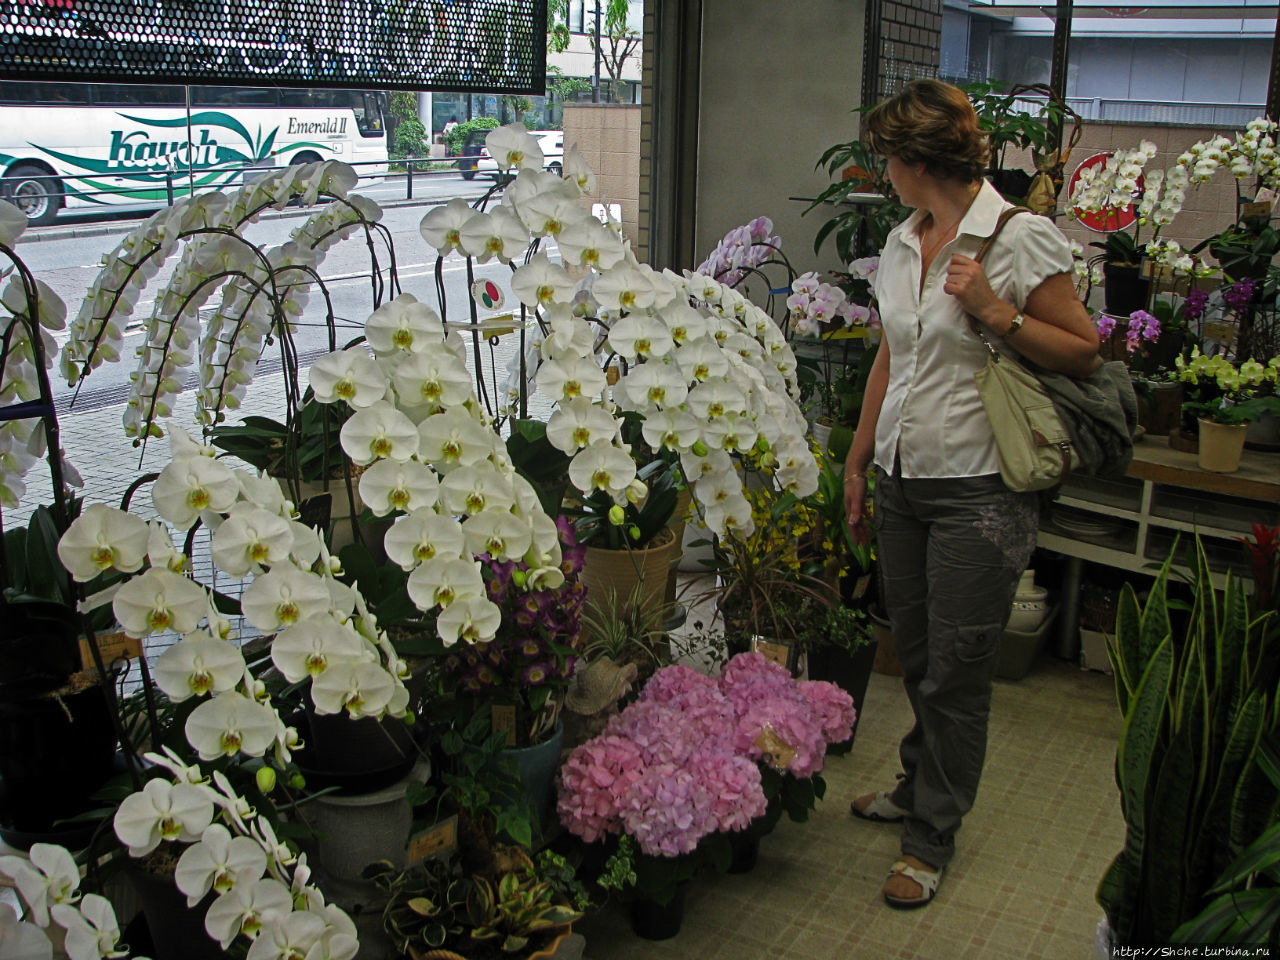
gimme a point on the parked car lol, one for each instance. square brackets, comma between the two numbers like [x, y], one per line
[551, 142]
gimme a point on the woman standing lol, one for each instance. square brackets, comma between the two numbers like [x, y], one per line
[952, 539]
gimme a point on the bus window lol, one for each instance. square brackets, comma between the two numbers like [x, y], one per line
[136, 94]
[213, 96]
[368, 109]
[255, 97]
[18, 91]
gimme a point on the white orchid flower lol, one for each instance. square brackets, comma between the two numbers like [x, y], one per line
[246, 909]
[547, 213]
[349, 375]
[47, 875]
[473, 619]
[532, 184]
[514, 146]
[685, 323]
[498, 234]
[284, 596]
[578, 172]
[503, 536]
[455, 438]
[443, 580]
[362, 689]
[161, 552]
[797, 470]
[577, 423]
[13, 223]
[92, 930]
[420, 536]
[251, 536]
[159, 600]
[388, 486]
[403, 326]
[730, 517]
[103, 538]
[229, 724]
[674, 429]
[734, 434]
[713, 461]
[187, 487]
[51, 312]
[442, 226]
[651, 385]
[198, 665]
[640, 336]
[20, 940]
[290, 936]
[339, 941]
[602, 466]
[162, 811]
[716, 398]
[379, 431]
[308, 648]
[623, 289]
[435, 379]
[570, 337]
[541, 282]
[589, 243]
[565, 378]
[476, 487]
[264, 492]
[218, 862]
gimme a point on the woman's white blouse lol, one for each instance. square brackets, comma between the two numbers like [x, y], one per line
[932, 414]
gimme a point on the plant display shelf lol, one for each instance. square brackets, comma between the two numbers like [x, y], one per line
[1132, 523]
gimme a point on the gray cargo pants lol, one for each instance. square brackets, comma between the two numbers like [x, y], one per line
[951, 552]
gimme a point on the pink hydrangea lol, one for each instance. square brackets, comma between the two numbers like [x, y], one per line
[831, 706]
[594, 780]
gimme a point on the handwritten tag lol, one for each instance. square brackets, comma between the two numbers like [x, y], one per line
[1256, 208]
[113, 647]
[507, 321]
[779, 752]
[779, 653]
[502, 716]
[436, 842]
[611, 375]
[1223, 332]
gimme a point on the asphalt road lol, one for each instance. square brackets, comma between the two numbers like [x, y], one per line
[69, 258]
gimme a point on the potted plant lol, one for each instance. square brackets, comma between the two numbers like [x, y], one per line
[1223, 400]
[1196, 690]
[866, 206]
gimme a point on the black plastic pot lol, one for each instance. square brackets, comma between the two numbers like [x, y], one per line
[39, 648]
[849, 671]
[658, 921]
[55, 751]
[356, 756]
[1124, 289]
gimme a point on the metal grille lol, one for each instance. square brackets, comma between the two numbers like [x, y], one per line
[481, 46]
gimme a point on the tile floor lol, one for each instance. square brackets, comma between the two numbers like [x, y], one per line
[1029, 857]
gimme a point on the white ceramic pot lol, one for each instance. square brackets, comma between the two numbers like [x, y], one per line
[1030, 605]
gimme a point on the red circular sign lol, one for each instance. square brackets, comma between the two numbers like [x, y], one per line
[1103, 221]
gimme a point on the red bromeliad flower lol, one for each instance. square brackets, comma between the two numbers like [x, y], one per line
[1264, 554]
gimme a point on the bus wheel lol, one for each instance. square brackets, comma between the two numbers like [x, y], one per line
[306, 156]
[34, 191]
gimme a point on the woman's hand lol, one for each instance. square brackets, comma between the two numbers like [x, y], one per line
[967, 282]
[855, 508]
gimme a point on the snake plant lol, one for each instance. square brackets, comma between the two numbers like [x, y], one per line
[1198, 691]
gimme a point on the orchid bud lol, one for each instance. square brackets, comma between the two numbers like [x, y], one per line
[297, 781]
[633, 531]
[762, 443]
[266, 779]
[617, 516]
[519, 577]
[636, 490]
[700, 449]
[409, 719]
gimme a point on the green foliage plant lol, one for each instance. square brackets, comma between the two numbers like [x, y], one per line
[1198, 696]
[858, 228]
[457, 137]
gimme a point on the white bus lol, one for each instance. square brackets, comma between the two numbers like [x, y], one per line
[78, 145]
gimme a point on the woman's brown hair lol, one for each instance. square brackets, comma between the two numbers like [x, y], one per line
[933, 123]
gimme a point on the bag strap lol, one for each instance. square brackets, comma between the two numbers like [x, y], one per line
[1005, 216]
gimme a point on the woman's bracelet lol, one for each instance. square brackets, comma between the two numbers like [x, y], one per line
[854, 475]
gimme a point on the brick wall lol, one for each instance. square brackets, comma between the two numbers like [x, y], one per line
[608, 135]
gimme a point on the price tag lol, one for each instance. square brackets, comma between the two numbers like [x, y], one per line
[502, 716]
[779, 752]
[1257, 208]
[779, 653]
[612, 375]
[113, 647]
[439, 841]
[500, 331]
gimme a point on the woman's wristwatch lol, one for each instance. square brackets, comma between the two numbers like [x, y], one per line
[1014, 326]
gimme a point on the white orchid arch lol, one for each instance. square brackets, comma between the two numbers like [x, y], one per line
[262, 292]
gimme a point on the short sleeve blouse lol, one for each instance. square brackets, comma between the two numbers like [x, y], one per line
[932, 416]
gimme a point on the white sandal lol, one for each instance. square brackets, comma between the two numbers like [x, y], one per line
[880, 810]
[927, 879]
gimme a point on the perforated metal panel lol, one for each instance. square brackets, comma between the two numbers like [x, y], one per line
[482, 46]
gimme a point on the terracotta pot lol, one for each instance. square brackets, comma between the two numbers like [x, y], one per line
[620, 570]
[1221, 446]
